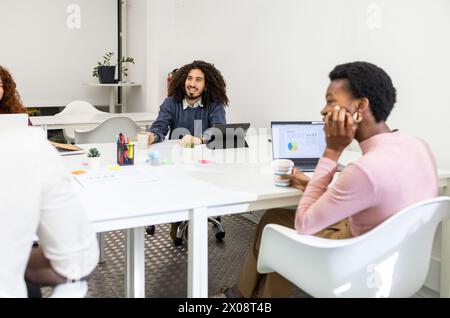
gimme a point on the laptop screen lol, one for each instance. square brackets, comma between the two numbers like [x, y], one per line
[13, 120]
[298, 140]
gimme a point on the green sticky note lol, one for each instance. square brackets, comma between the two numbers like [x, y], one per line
[167, 162]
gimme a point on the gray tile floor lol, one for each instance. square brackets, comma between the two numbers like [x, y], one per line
[166, 264]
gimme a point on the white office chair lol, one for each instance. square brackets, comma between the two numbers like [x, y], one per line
[78, 107]
[108, 131]
[70, 290]
[391, 260]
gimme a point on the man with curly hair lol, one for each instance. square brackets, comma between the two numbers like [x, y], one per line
[394, 171]
[196, 102]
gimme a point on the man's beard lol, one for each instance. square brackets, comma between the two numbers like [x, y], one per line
[191, 96]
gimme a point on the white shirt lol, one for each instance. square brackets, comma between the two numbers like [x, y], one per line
[36, 197]
[197, 104]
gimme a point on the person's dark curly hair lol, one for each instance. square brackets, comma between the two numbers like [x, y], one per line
[215, 86]
[10, 103]
[370, 81]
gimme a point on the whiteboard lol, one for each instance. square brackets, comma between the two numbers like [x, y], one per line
[51, 46]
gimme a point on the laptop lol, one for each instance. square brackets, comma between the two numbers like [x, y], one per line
[303, 142]
[13, 120]
[222, 136]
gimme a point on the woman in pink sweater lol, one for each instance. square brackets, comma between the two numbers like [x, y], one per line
[394, 171]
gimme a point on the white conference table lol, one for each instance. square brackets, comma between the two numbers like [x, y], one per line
[88, 121]
[233, 181]
[186, 190]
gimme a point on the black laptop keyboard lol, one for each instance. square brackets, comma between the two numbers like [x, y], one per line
[306, 168]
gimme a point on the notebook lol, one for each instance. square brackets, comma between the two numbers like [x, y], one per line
[67, 149]
[303, 142]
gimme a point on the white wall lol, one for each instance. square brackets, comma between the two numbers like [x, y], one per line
[162, 53]
[136, 47]
[276, 56]
[51, 47]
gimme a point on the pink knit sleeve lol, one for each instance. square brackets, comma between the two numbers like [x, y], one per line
[321, 206]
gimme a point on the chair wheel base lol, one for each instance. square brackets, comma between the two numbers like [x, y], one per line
[220, 236]
[150, 229]
[178, 241]
[218, 220]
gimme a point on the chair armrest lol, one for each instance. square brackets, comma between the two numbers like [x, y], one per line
[308, 240]
[305, 260]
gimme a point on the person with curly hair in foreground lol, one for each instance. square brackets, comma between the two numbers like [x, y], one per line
[10, 102]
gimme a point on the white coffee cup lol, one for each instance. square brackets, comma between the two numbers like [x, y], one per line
[142, 140]
[282, 167]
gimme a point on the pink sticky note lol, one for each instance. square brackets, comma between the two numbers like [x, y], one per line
[204, 161]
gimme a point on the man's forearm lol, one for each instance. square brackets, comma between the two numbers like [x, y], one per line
[39, 270]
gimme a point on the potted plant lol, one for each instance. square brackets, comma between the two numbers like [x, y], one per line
[105, 71]
[93, 158]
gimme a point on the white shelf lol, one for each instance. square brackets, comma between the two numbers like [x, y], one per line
[121, 84]
[112, 91]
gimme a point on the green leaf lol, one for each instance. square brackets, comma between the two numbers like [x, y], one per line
[93, 152]
[107, 62]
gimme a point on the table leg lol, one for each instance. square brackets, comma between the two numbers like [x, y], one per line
[135, 263]
[101, 243]
[445, 260]
[198, 253]
[45, 129]
[445, 250]
[112, 100]
[124, 100]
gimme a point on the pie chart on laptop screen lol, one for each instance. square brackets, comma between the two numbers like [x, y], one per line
[293, 146]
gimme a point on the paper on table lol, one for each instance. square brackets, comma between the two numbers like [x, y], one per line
[123, 176]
